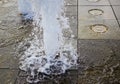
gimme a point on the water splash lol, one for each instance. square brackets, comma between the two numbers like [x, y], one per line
[51, 50]
[25, 8]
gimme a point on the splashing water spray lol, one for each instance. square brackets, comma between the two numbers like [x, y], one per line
[50, 50]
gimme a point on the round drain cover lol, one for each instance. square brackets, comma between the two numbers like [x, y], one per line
[99, 28]
[95, 12]
[93, 0]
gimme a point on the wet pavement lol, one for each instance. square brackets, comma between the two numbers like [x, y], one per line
[99, 52]
[99, 47]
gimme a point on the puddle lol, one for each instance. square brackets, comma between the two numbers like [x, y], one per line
[48, 52]
[96, 12]
[99, 28]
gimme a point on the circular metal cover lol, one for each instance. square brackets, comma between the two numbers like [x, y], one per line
[99, 28]
[96, 12]
[93, 0]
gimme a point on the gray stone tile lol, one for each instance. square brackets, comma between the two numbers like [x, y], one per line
[116, 47]
[119, 22]
[21, 80]
[72, 72]
[8, 62]
[8, 3]
[22, 74]
[85, 31]
[10, 12]
[7, 58]
[71, 10]
[86, 2]
[73, 24]
[98, 57]
[85, 15]
[115, 2]
[71, 14]
[117, 11]
[71, 2]
[8, 76]
[93, 52]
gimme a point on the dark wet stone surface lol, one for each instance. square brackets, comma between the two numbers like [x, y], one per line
[99, 66]
[70, 77]
[99, 58]
[8, 76]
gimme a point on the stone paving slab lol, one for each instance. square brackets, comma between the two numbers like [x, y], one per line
[71, 2]
[72, 18]
[117, 11]
[85, 31]
[84, 13]
[94, 52]
[22, 74]
[7, 12]
[119, 22]
[115, 2]
[71, 10]
[71, 14]
[73, 24]
[8, 62]
[98, 59]
[8, 3]
[21, 80]
[70, 77]
[8, 76]
[7, 58]
[100, 2]
[116, 47]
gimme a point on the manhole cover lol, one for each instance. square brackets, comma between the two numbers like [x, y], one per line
[96, 12]
[99, 28]
[93, 0]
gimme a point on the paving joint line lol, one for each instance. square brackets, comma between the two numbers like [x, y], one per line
[77, 32]
[17, 77]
